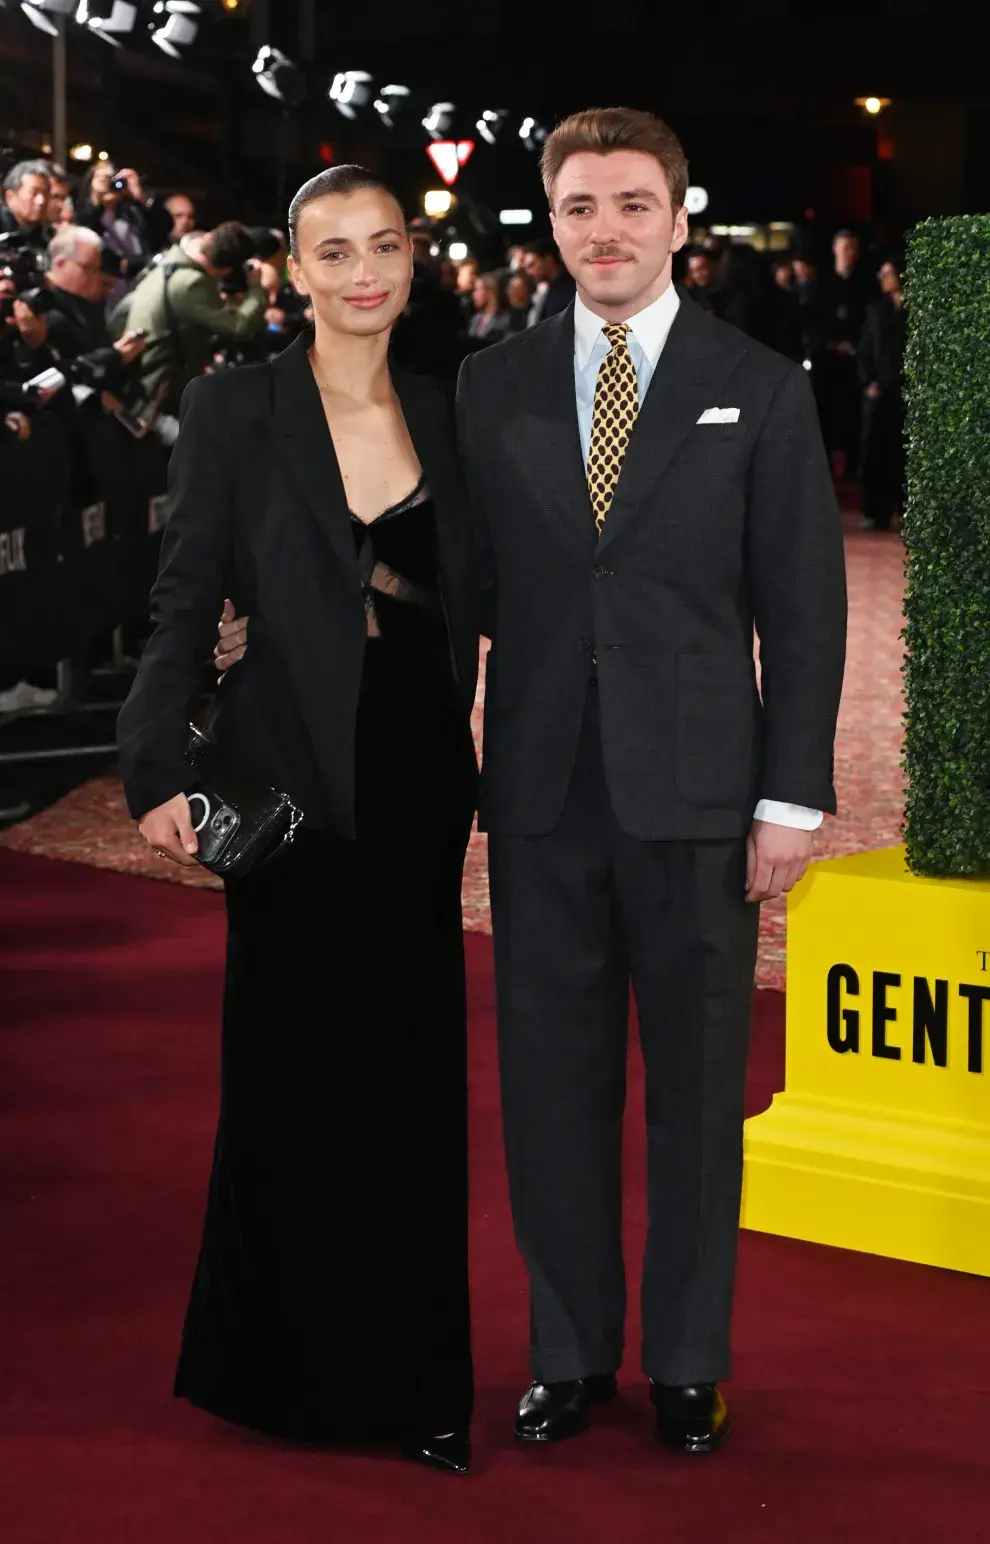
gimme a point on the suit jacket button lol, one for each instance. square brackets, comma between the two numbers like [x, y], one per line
[584, 644]
[600, 571]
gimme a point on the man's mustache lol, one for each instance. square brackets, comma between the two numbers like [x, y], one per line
[607, 251]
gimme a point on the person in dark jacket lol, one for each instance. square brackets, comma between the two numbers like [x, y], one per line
[746, 295]
[23, 211]
[787, 318]
[880, 359]
[845, 294]
[554, 285]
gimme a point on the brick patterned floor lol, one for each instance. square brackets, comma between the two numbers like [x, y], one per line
[92, 826]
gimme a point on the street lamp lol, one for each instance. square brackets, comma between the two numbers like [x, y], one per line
[873, 105]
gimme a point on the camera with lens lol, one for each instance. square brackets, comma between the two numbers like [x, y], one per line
[38, 300]
[19, 261]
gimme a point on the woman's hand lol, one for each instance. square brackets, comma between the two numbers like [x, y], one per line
[168, 829]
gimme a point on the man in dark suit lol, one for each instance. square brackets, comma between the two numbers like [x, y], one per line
[650, 485]
[554, 285]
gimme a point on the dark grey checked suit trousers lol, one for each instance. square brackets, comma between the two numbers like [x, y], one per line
[578, 913]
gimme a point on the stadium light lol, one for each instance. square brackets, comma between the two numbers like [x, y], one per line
[40, 13]
[108, 19]
[350, 90]
[491, 123]
[391, 103]
[439, 120]
[532, 133]
[278, 77]
[177, 26]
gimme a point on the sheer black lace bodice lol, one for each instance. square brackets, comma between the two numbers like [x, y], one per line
[415, 759]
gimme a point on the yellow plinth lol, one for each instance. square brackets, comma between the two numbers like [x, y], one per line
[881, 1140]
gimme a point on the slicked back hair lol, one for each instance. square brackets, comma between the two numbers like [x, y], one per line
[336, 179]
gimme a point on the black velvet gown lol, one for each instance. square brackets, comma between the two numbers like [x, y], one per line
[331, 1296]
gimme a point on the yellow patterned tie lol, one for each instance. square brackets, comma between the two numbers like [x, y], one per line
[616, 407]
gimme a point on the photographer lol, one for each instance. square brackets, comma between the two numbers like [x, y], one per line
[77, 331]
[178, 306]
[115, 206]
[60, 327]
[24, 212]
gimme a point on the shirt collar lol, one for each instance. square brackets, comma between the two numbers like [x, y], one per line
[649, 327]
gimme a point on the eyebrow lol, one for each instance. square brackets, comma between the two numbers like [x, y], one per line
[589, 198]
[344, 241]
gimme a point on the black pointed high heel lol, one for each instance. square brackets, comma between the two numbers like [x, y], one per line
[450, 1454]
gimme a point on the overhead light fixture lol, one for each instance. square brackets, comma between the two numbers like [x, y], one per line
[448, 156]
[515, 217]
[872, 104]
[532, 133]
[392, 102]
[109, 19]
[437, 202]
[279, 78]
[177, 27]
[40, 13]
[350, 90]
[439, 120]
[491, 123]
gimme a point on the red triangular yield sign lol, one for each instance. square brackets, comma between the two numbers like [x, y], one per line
[443, 154]
[449, 156]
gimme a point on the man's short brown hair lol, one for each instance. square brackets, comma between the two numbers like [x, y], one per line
[603, 129]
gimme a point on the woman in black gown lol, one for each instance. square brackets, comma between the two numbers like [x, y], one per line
[330, 1300]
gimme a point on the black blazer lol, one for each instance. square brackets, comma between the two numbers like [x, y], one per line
[713, 528]
[259, 513]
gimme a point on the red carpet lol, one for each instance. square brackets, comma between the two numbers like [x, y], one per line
[862, 1390]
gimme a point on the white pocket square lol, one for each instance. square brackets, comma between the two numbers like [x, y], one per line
[719, 415]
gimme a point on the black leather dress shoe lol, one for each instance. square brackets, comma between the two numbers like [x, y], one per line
[549, 1412]
[450, 1454]
[691, 1420]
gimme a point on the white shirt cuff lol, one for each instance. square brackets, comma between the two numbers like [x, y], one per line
[797, 816]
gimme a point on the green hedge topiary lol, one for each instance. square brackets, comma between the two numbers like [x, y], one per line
[947, 535]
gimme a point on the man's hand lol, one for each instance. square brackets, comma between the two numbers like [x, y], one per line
[776, 858]
[33, 329]
[130, 346]
[19, 424]
[233, 638]
[168, 829]
[135, 187]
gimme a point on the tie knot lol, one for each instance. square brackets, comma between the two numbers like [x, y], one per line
[615, 332]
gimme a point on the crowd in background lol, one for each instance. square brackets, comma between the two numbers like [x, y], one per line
[844, 322]
[111, 300]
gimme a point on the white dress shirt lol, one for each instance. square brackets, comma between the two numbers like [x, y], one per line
[648, 332]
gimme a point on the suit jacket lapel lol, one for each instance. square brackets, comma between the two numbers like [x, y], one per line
[546, 385]
[308, 450]
[694, 363]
